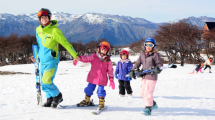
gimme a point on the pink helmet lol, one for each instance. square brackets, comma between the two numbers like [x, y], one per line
[124, 52]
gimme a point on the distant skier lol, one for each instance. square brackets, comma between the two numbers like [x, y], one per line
[208, 63]
[48, 37]
[148, 58]
[123, 67]
[198, 68]
[171, 61]
[182, 59]
[101, 66]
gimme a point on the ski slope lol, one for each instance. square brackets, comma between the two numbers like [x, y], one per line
[179, 95]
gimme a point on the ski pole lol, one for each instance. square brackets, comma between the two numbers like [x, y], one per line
[151, 70]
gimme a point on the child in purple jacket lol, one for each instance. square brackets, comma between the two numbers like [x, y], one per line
[123, 67]
[101, 65]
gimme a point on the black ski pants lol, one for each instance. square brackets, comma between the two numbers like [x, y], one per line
[207, 66]
[124, 85]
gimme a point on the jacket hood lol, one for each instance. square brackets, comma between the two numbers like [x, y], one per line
[126, 61]
[53, 23]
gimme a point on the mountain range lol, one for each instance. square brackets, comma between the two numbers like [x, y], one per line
[118, 30]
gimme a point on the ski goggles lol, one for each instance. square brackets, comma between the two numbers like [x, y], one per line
[42, 13]
[104, 47]
[149, 44]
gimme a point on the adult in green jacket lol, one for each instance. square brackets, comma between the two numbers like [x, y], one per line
[48, 38]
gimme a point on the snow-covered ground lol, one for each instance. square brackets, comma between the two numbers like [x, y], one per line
[179, 95]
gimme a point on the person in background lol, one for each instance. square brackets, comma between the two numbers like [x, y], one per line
[208, 63]
[198, 68]
[182, 59]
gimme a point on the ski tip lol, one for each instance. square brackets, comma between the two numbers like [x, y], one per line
[98, 111]
[95, 113]
[66, 106]
[190, 72]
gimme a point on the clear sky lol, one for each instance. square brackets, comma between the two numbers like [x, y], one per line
[153, 10]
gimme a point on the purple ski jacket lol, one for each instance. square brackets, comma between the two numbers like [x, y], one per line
[123, 68]
[148, 60]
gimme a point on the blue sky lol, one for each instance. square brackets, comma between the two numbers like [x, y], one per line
[153, 10]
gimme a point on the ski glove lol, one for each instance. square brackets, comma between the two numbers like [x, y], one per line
[74, 62]
[132, 74]
[116, 76]
[112, 84]
[129, 78]
[157, 70]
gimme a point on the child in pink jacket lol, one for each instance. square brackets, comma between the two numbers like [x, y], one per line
[148, 59]
[101, 65]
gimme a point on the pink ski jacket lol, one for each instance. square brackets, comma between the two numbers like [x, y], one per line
[99, 69]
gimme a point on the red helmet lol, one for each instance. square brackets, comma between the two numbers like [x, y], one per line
[124, 52]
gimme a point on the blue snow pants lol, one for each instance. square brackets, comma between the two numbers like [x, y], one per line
[91, 87]
[47, 74]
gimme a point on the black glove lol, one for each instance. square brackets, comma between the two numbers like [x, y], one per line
[137, 73]
[157, 70]
[132, 74]
[173, 66]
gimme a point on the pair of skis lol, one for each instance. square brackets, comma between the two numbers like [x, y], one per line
[35, 49]
[95, 112]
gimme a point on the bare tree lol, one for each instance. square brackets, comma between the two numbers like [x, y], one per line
[180, 37]
[209, 42]
[137, 46]
[16, 50]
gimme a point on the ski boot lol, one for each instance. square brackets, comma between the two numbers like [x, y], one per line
[155, 106]
[147, 111]
[101, 103]
[210, 71]
[56, 100]
[48, 102]
[86, 102]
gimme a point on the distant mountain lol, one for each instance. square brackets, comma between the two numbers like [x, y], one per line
[200, 21]
[119, 30]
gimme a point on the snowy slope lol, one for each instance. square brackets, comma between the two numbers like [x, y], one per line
[179, 95]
